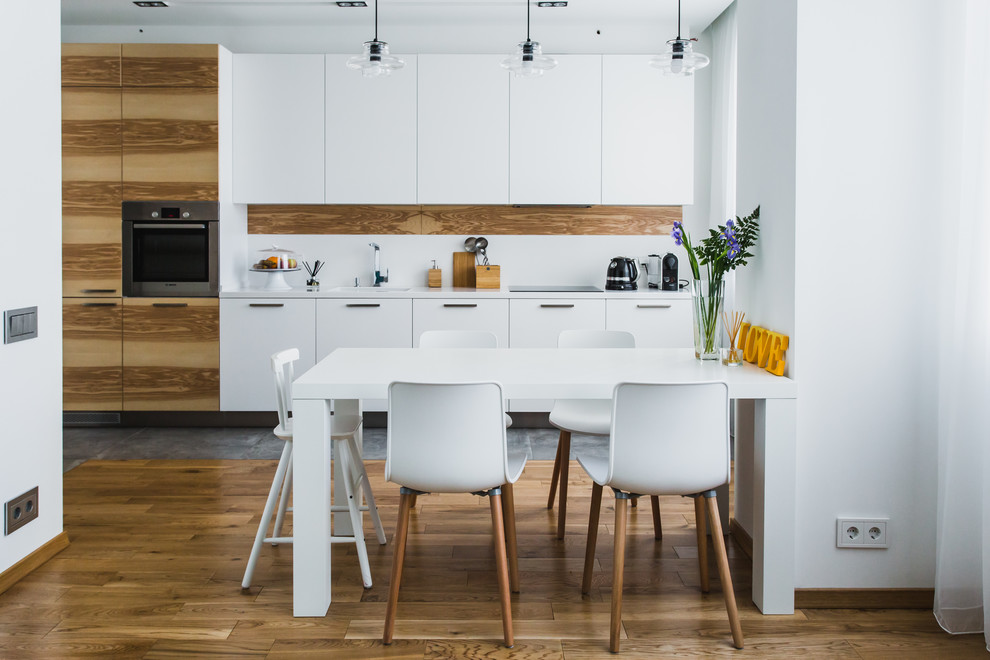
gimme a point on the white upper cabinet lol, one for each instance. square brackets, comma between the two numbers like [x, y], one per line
[647, 134]
[370, 135]
[278, 129]
[555, 137]
[463, 130]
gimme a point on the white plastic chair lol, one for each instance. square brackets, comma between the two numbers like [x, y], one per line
[342, 431]
[666, 439]
[591, 417]
[461, 339]
[449, 438]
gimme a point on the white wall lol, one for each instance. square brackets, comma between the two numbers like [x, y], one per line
[30, 187]
[844, 161]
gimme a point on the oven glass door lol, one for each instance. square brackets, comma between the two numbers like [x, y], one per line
[170, 252]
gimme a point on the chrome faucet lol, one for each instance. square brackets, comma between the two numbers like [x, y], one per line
[379, 278]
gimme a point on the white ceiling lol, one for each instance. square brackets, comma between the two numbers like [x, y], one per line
[413, 25]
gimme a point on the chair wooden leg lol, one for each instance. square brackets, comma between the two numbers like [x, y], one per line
[589, 548]
[509, 518]
[502, 568]
[723, 573]
[283, 502]
[701, 528]
[633, 503]
[618, 567]
[556, 475]
[398, 557]
[657, 527]
[565, 463]
[266, 516]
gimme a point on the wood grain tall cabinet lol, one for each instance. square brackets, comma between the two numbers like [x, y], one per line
[139, 122]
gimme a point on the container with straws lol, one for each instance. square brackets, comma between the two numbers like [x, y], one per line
[312, 284]
[732, 356]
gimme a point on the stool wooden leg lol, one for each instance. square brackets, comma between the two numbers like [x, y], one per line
[398, 557]
[502, 568]
[701, 529]
[589, 548]
[657, 527]
[618, 567]
[565, 463]
[556, 475]
[723, 573]
[509, 515]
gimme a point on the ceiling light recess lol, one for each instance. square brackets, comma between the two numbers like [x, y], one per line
[528, 60]
[556, 3]
[680, 58]
[375, 60]
[148, 3]
[352, 4]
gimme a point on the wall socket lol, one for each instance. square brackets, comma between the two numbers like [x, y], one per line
[20, 511]
[861, 532]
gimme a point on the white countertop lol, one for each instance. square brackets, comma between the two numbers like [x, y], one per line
[450, 292]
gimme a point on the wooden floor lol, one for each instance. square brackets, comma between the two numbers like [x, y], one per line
[158, 550]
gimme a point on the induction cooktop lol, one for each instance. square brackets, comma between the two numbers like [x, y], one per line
[552, 288]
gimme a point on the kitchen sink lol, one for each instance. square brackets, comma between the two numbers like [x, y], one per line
[368, 289]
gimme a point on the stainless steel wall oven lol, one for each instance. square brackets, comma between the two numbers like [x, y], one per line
[170, 249]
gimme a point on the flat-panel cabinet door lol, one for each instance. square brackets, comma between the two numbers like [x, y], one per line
[555, 134]
[370, 135]
[462, 314]
[664, 323]
[363, 323]
[251, 330]
[536, 323]
[278, 129]
[91, 354]
[170, 143]
[91, 192]
[647, 134]
[91, 65]
[171, 354]
[463, 130]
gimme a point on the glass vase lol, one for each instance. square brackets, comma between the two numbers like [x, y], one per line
[706, 299]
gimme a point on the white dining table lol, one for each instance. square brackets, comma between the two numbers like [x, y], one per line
[341, 380]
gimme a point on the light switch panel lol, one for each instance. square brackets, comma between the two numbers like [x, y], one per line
[20, 324]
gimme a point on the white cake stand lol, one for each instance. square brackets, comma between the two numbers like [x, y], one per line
[277, 280]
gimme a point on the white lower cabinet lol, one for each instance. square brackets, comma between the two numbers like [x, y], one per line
[251, 330]
[536, 323]
[461, 314]
[654, 323]
[363, 323]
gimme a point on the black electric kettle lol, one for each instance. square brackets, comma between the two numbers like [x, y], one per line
[622, 275]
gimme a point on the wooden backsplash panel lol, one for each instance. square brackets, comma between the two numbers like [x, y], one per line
[334, 219]
[456, 220]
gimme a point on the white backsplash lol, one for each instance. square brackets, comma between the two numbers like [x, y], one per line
[559, 260]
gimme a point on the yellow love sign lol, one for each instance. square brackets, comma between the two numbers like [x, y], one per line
[763, 348]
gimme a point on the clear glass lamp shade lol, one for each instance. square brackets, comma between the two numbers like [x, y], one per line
[528, 60]
[375, 60]
[680, 59]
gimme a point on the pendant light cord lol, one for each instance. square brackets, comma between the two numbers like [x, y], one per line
[678, 19]
[376, 18]
[528, 3]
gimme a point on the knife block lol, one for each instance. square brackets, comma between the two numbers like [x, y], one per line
[464, 273]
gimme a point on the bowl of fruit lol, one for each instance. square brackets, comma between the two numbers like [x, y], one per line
[276, 261]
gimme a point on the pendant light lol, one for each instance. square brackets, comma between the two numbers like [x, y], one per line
[375, 60]
[680, 58]
[528, 60]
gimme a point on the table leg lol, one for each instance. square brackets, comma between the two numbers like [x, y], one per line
[774, 463]
[341, 520]
[311, 507]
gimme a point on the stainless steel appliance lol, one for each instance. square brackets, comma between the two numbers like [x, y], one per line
[170, 249]
[622, 275]
[653, 271]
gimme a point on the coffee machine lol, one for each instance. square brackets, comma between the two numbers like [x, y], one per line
[668, 273]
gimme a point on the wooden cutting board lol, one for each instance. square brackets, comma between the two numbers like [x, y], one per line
[464, 273]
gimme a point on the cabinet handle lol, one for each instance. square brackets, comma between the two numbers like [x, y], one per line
[99, 290]
[653, 306]
[170, 304]
[548, 305]
[363, 305]
[99, 304]
[460, 304]
[266, 304]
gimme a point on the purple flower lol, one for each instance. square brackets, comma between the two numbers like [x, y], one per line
[677, 224]
[677, 236]
[729, 224]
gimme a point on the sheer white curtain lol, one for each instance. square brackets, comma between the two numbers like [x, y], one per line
[962, 574]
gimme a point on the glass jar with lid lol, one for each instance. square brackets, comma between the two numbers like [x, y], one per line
[276, 261]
